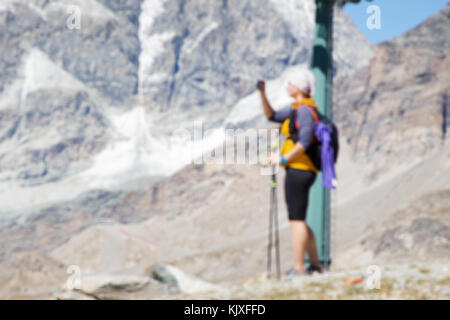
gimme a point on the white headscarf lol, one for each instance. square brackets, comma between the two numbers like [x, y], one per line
[305, 81]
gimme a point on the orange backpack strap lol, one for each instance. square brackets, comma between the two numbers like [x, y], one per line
[315, 117]
[314, 114]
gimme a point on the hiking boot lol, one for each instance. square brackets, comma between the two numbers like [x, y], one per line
[314, 268]
[295, 272]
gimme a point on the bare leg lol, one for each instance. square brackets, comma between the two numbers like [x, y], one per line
[311, 248]
[303, 239]
[299, 234]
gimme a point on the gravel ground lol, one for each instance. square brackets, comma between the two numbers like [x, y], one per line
[412, 281]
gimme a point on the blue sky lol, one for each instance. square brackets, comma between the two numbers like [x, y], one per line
[396, 16]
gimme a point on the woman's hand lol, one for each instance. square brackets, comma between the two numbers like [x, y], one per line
[274, 159]
[261, 85]
[268, 110]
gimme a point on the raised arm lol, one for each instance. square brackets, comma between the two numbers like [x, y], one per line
[272, 115]
[268, 110]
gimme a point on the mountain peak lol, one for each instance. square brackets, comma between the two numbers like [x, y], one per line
[431, 34]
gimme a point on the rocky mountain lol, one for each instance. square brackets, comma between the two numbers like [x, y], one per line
[393, 117]
[210, 220]
[56, 84]
[394, 112]
[211, 57]
[92, 90]
[401, 218]
[107, 36]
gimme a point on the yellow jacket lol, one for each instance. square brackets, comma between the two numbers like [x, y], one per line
[303, 161]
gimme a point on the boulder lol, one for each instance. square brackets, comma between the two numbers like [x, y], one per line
[120, 286]
[180, 282]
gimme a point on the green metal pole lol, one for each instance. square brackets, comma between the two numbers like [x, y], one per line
[318, 216]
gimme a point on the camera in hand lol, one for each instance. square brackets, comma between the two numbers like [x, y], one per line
[259, 84]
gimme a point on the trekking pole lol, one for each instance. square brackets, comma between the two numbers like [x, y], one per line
[269, 246]
[273, 223]
[275, 217]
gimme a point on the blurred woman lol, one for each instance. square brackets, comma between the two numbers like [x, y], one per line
[298, 122]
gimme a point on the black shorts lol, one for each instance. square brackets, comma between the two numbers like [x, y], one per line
[296, 188]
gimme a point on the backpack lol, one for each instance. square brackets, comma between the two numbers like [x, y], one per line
[314, 151]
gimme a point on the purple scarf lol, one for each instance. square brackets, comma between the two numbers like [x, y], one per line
[323, 134]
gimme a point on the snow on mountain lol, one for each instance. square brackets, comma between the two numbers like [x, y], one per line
[136, 153]
[118, 100]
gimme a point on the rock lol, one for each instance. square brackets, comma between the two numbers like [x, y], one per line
[120, 286]
[106, 282]
[180, 282]
[162, 273]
